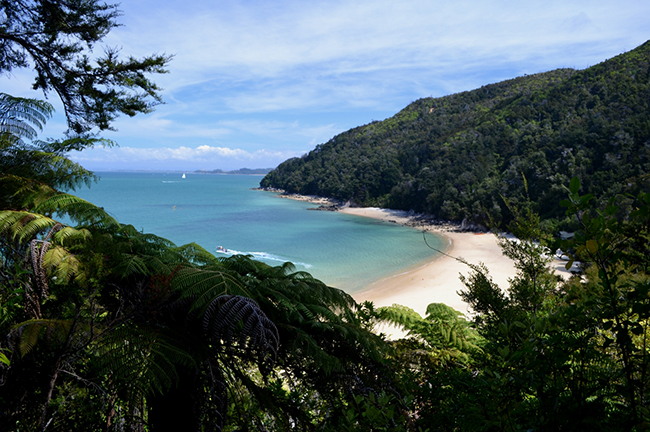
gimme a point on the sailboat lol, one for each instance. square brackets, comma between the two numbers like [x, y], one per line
[183, 175]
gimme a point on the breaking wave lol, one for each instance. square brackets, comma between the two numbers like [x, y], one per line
[261, 256]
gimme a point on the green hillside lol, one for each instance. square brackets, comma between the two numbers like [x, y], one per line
[457, 156]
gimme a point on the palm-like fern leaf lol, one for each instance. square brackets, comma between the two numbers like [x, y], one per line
[32, 174]
[196, 254]
[131, 264]
[70, 235]
[63, 265]
[443, 327]
[60, 172]
[316, 322]
[141, 360]
[79, 210]
[230, 314]
[28, 332]
[23, 225]
[200, 286]
[21, 117]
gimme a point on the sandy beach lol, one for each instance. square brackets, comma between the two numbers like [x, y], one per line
[437, 281]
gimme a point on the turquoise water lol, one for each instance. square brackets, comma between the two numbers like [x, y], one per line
[345, 251]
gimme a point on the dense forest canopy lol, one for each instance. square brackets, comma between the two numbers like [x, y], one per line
[458, 156]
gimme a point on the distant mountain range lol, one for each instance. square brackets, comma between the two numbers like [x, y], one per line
[239, 171]
[459, 156]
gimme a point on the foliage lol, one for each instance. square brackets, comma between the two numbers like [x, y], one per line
[106, 327]
[443, 333]
[27, 166]
[56, 39]
[555, 355]
[456, 156]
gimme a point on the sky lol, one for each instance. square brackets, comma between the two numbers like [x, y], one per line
[253, 83]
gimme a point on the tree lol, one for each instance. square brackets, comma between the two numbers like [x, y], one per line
[29, 166]
[89, 317]
[555, 355]
[619, 289]
[444, 333]
[104, 325]
[328, 361]
[98, 313]
[56, 39]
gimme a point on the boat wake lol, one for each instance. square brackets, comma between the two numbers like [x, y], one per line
[260, 256]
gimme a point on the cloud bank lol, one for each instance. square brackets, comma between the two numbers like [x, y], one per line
[179, 159]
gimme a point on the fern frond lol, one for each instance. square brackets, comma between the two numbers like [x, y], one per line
[196, 254]
[141, 359]
[63, 172]
[63, 265]
[29, 189]
[79, 210]
[23, 225]
[36, 224]
[28, 332]
[400, 315]
[71, 235]
[201, 286]
[21, 116]
[304, 346]
[131, 264]
[151, 240]
[443, 328]
[442, 311]
[257, 333]
[160, 265]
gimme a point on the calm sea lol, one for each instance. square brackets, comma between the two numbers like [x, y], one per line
[345, 251]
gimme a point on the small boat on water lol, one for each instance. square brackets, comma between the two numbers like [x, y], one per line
[183, 175]
[222, 249]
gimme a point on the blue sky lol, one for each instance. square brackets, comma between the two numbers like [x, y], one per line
[253, 83]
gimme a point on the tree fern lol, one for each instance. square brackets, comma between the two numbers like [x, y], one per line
[23, 117]
[442, 329]
[28, 332]
[24, 226]
[141, 359]
[200, 286]
[228, 315]
[70, 235]
[19, 192]
[79, 210]
[63, 266]
[196, 254]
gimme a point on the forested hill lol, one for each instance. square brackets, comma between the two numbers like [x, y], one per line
[457, 156]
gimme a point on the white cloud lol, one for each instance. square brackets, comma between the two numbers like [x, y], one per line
[237, 41]
[286, 75]
[157, 124]
[269, 57]
[179, 158]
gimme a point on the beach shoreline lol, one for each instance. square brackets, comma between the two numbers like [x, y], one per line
[435, 281]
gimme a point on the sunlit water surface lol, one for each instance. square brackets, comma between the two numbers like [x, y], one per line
[345, 251]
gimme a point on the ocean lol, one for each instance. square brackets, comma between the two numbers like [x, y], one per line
[344, 251]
